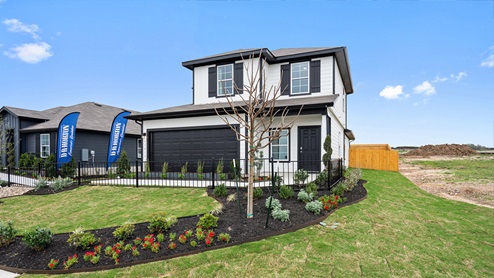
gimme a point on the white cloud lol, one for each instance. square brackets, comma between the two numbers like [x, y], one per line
[459, 76]
[489, 61]
[31, 53]
[439, 79]
[390, 92]
[2, 1]
[14, 25]
[426, 88]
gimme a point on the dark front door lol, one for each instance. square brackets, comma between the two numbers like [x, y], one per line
[309, 148]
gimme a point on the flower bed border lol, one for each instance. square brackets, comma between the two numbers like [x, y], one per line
[163, 258]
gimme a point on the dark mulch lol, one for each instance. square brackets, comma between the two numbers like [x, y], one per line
[49, 190]
[17, 256]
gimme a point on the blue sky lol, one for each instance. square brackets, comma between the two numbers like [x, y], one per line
[423, 71]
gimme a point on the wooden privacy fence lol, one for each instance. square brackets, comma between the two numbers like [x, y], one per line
[373, 156]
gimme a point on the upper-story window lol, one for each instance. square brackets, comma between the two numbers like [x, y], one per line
[44, 140]
[225, 80]
[300, 78]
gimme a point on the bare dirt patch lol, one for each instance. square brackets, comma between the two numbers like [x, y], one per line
[439, 182]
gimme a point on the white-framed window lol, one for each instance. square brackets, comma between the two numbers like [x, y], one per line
[300, 78]
[225, 80]
[139, 148]
[280, 146]
[44, 141]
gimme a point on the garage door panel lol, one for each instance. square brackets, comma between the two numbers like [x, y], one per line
[182, 146]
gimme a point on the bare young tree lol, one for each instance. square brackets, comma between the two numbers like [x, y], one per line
[256, 111]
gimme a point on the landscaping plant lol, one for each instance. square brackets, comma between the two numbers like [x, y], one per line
[38, 239]
[281, 214]
[300, 176]
[124, 232]
[71, 260]
[314, 207]
[200, 170]
[275, 203]
[304, 196]
[208, 221]
[311, 188]
[220, 190]
[257, 193]
[286, 192]
[164, 170]
[7, 233]
[160, 222]
[82, 239]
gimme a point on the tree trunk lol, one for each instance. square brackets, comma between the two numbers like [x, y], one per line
[250, 188]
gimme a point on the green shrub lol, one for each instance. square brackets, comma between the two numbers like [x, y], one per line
[208, 221]
[326, 158]
[160, 222]
[60, 183]
[257, 193]
[304, 196]
[68, 169]
[123, 164]
[124, 232]
[7, 233]
[314, 207]
[51, 166]
[82, 239]
[275, 204]
[38, 239]
[322, 178]
[352, 176]
[286, 192]
[3, 183]
[281, 214]
[220, 190]
[339, 189]
[164, 170]
[40, 183]
[300, 176]
[311, 188]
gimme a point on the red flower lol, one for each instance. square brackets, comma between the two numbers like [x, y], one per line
[208, 241]
[326, 207]
[211, 234]
[51, 265]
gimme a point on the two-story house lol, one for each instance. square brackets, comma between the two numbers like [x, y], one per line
[316, 78]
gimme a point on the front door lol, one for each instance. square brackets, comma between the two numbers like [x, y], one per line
[309, 148]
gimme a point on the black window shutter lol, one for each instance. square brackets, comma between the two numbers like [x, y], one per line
[315, 76]
[285, 79]
[212, 79]
[238, 76]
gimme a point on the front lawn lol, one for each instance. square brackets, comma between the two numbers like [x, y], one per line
[92, 207]
[398, 231]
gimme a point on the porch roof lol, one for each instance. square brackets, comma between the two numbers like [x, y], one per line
[196, 110]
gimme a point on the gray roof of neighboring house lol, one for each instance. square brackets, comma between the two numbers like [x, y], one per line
[280, 56]
[93, 116]
[191, 110]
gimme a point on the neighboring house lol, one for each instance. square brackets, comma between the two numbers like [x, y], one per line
[317, 78]
[35, 132]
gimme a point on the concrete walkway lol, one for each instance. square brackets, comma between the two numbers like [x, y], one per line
[6, 274]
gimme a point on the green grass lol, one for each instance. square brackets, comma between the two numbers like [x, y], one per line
[92, 207]
[464, 169]
[398, 231]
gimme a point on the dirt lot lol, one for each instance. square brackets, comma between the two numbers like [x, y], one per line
[439, 182]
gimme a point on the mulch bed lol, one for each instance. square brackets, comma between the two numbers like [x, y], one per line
[17, 257]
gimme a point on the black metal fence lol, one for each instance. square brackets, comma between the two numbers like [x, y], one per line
[206, 173]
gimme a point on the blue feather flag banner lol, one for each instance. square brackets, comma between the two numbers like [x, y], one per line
[117, 136]
[66, 138]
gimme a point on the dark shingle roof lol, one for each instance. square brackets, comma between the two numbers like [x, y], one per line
[94, 117]
[190, 110]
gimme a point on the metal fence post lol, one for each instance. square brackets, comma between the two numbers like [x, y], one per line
[79, 173]
[212, 174]
[8, 176]
[137, 174]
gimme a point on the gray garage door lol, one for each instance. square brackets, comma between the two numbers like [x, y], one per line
[176, 146]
